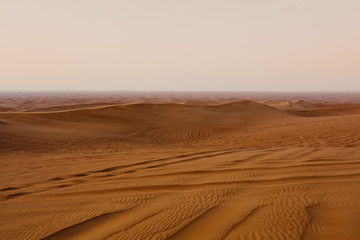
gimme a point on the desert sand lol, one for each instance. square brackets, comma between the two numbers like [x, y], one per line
[180, 168]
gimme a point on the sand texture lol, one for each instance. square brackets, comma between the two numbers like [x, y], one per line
[228, 170]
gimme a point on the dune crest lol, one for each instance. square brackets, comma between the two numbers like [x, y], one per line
[181, 170]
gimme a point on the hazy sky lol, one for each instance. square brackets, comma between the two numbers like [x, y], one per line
[236, 45]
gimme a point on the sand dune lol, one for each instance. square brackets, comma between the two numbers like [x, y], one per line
[141, 122]
[312, 109]
[181, 170]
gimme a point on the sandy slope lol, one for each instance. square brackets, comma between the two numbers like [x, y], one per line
[237, 170]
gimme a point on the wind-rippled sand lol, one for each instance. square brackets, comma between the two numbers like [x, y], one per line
[239, 170]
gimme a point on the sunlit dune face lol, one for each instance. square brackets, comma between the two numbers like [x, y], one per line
[75, 166]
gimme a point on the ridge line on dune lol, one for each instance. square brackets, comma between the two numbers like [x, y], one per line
[137, 104]
[109, 221]
[244, 183]
[234, 226]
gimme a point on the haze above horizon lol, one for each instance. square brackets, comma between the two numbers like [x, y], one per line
[198, 45]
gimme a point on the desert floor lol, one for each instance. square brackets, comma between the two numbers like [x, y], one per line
[264, 169]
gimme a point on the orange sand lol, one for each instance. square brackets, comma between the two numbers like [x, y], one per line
[235, 170]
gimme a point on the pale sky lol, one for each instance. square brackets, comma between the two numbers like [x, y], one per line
[198, 45]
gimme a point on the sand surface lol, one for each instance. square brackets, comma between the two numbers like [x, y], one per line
[265, 169]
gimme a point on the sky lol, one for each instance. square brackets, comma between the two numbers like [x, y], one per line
[180, 45]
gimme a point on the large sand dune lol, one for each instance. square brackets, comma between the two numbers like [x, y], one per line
[181, 170]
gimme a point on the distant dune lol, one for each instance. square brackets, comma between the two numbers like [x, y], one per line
[144, 122]
[284, 169]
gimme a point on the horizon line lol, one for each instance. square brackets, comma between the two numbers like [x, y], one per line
[179, 91]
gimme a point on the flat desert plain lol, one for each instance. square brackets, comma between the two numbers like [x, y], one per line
[171, 169]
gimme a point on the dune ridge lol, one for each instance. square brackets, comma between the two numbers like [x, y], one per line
[180, 170]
